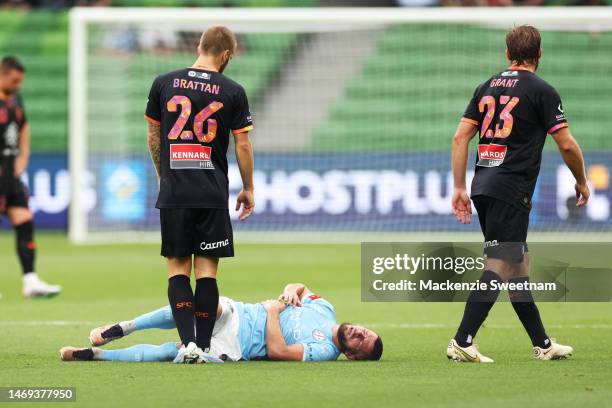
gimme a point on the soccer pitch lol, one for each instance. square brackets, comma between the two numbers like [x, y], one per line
[105, 284]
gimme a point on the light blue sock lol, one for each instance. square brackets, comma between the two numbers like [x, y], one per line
[157, 319]
[141, 353]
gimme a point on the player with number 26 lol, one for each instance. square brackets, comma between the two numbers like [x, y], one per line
[191, 112]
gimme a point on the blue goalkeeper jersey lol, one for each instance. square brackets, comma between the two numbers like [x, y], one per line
[310, 325]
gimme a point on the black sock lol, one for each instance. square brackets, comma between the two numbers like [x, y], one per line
[83, 354]
[206, 302]
[477, 309]
[527, 311]
[181, 302]
[26, 248]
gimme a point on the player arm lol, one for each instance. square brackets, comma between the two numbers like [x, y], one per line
[22, 160]
[294, 293]
[154, 142]
[464, 133]
[276, 346]
[244, 156]
[462, 207]
[573, 158]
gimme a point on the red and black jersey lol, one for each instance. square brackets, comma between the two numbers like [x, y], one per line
[514, 111]
[12, 120]
[196, 110]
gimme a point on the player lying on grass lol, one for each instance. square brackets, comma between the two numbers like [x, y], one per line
[299, 326]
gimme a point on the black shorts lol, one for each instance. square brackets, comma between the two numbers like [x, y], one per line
[15, 195]
[504, 228]
[196, 231]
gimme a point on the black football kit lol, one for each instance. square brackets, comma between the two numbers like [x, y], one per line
[13, 193]
[514, 111]
[196, 110]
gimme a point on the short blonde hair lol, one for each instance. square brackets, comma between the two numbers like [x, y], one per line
[216, 40]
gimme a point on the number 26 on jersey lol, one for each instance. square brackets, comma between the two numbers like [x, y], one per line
[178, 130]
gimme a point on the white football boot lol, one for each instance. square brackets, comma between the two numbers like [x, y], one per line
[207, 357]
[187, 354]
[34, 287]
[465, 354]
[556, 351]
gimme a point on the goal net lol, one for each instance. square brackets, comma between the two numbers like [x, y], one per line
[354, 111]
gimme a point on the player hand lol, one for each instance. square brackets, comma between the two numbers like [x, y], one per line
[246, 199]
[462, 206]
[291, 298]
[582, 194]
[273, 305]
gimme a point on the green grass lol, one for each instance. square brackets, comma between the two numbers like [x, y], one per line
[107, 283]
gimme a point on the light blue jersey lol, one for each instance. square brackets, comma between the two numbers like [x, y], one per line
[310, 325]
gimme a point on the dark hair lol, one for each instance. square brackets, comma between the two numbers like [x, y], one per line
[523, 45]
[9, 63]
[377, 350]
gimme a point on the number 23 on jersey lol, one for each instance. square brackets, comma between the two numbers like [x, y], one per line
[503, 127]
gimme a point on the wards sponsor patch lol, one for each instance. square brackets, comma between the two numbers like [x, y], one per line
[491, 155]
[190, 156]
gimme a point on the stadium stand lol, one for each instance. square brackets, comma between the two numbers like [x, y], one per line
[384, 100]
[40, 40]
[43, 47]
[402, 98]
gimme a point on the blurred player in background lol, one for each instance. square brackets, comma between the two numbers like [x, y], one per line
[299, 326]
[14, 156]
[190, 113]
[514, 111]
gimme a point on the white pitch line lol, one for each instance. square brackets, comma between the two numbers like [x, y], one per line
[46, 322]
[371, 325]
[492, 326]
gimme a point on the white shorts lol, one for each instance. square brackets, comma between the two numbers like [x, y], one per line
[225, 333]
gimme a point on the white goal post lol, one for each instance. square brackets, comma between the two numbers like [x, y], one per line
[93, 29]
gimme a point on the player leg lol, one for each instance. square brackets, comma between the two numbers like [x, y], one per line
[522, 300]
[21, 219]
[525, 308]
[180, 296]
[177, 233]
[138, 353]
[214, 240]
[479, 302]
[206, 299]
[513, 262]
[157, 319]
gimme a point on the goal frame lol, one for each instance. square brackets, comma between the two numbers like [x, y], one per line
[284, 19]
